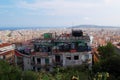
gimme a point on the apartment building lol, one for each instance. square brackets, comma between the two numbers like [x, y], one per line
[7, 52]
[66, 49]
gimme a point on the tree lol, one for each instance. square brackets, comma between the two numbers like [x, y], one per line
[109, 61]
[8, 72]
[106, 51]
[112, 65]
[29, 75]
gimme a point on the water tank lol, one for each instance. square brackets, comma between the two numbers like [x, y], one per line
[77, 33]
[47, 35]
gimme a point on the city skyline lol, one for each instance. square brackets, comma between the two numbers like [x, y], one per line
[59, 12]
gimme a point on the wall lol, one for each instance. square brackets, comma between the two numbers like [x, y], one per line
[27, 63]
[72, 61]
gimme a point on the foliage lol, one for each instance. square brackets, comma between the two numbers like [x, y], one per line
[8, 72]
[68, 72]
[101, 76]
[109, 62]
[106, 51]
[29, 75]
[97, 67]
[112, 65]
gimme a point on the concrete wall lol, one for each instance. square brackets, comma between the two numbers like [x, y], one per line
[71, 62]
[43, 63]
[82, 57]
[27, 63]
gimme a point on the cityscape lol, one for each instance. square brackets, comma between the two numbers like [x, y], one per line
[47, 49]
[59, 40]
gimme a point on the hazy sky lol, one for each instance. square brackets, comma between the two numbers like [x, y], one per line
[59, 12]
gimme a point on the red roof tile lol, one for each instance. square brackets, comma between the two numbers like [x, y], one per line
[4, 44]
[18, 53]
[8, 52]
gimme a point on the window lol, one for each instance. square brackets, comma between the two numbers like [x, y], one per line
[28, 61]
[76, 57]
[47, 60]
[68, 58]
[33, 59]
[57, 58]
[38, 60]
[47, 69]
[34, 68]
[4, 56]
[38, 69]
[86, 56]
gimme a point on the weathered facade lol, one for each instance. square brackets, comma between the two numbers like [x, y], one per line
[67, 49]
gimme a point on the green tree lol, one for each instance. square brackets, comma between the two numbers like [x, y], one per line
[29, 75]
[109, 61]
[97, 67]
[112, 65]
[106, 51]
[67, 73]
[8, 72]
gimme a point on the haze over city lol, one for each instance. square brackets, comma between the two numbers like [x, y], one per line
[59, 40]
[59, 12]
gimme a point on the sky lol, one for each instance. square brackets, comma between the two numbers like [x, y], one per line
[59, 12]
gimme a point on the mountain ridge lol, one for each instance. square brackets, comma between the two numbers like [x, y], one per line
[93, 26]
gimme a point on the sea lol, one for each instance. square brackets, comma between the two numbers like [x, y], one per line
[40, 27]
[18, 28]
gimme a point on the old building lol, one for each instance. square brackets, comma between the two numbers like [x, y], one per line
[7, 52]
[66, 49]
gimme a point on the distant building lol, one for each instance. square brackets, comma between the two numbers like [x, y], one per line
[7, 52]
